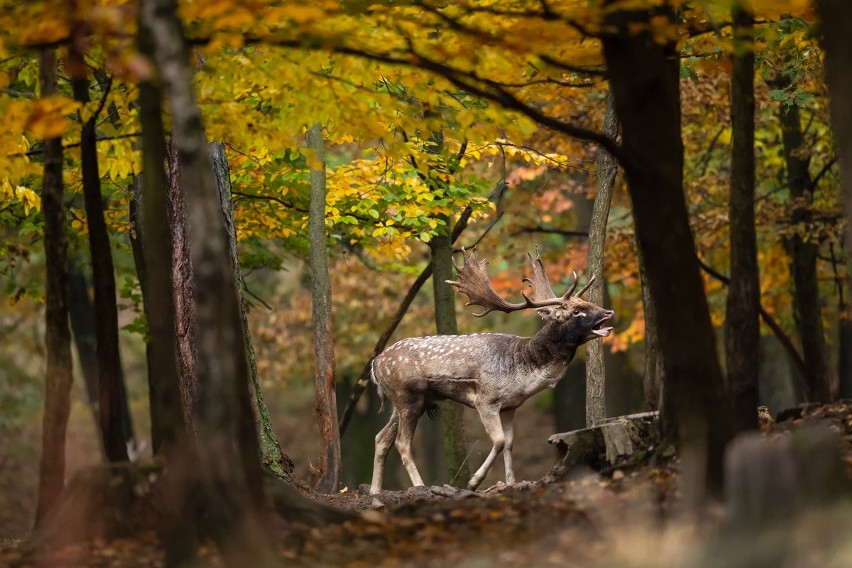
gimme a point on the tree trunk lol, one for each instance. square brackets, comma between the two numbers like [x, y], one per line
[644, 77]
[652, 383]
[226, 461]
[167, 419]
[83, 329]
[803, 255]
[271, 453]
[452, 413]
[742, 323]
[184, 296]
[836, 21]
[323, 335]
[58, 377]
[606, 172]
[110, 378]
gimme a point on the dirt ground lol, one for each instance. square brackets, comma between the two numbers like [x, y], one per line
[630, 517]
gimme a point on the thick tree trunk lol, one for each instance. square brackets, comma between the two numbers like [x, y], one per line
[270, 449]
[803, 255]
[452, 413]
[836, 21]
[644, 77]
[167, 419]
[742, 323]
[226, 461]
[652, 381]
[110, 378]
[329, 463]
[606, 172]
[58, 377]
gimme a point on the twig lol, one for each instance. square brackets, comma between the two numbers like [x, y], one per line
[795, 358]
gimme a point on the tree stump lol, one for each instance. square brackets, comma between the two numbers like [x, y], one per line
[606, 443]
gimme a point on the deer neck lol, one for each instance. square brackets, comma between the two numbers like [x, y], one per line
[549, 346]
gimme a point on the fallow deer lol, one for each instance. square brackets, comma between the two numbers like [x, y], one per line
[491, 372]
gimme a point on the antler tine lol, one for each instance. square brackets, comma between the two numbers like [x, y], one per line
[587, 286]
[473, 281]
[541, 289]
[572, 287]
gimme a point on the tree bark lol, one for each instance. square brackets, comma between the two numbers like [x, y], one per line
[323, 335]
[270, 449]
[607, 169]
[110, 378]
[226, 461]
[83, 329]
[803, 254]
[742, 319]
[58, 376]
[652, 383]
[835, 23]
[644, 77]
[452, 413]
[184, 295]
[167, 419]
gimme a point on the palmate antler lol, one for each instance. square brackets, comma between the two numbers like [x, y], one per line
[540, 285]
[474, 282]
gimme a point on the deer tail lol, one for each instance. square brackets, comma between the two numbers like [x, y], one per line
[378, 386]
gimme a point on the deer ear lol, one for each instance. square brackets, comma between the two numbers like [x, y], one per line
[546, 312]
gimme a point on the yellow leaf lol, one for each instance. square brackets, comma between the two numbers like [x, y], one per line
[47, 116]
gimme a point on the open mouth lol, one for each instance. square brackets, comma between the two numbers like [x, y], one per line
[600, 330]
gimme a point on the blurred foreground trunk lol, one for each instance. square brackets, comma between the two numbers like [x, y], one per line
[58, 377]
[226, 462]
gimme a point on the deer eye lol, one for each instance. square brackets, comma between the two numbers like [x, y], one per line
[577, 312]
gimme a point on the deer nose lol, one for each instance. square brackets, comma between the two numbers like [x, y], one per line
[610, 314]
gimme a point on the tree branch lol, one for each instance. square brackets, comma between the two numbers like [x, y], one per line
[782, 337]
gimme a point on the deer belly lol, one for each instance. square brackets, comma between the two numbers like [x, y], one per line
[459, 390]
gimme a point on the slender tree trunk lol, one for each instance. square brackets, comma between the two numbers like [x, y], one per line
[742, 319]
[58, 377]
[227, 452]
[110, 378]
[323, 334]
[83, 329]
[167, 419]
[271, 453]
[803, 255]
[836, 21]
[606, 172]
[458, 470]
[642, 69]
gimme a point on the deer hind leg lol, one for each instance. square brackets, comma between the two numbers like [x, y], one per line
[407, 422]
[384, 440]
[490, 417]
[506, 418]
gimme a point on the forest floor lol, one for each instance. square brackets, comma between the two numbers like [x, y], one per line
[631, 517]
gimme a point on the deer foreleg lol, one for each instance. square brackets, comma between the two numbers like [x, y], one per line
[384, 439]
[491, 420]
[506, 418]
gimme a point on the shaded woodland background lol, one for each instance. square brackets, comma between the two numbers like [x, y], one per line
[175, 176]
